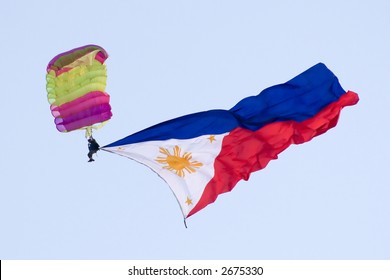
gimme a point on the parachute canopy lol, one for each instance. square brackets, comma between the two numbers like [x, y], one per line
[76, 83]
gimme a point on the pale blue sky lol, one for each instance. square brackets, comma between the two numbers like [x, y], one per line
[326, 199]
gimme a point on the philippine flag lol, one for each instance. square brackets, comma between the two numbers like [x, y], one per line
[204, 154]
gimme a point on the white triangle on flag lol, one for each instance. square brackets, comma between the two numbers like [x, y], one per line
[186, 165]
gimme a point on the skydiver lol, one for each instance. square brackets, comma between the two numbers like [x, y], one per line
[93, 147]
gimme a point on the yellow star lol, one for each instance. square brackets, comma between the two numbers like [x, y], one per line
[212, 138]
[188, 201]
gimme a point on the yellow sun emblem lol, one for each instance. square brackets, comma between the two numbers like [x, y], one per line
[178, 163]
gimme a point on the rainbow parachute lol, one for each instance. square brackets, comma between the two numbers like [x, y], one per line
[76, 83]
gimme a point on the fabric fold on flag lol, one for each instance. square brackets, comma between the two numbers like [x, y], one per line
[205, 154]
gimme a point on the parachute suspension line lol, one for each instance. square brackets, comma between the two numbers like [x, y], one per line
[88, 132]
[89, 129]
[185, 223]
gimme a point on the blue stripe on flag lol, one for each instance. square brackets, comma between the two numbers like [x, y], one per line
[298, 99]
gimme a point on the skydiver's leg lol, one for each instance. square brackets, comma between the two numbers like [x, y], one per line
[90, 156]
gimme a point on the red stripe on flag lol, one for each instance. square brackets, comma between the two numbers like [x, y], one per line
[245, 151]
